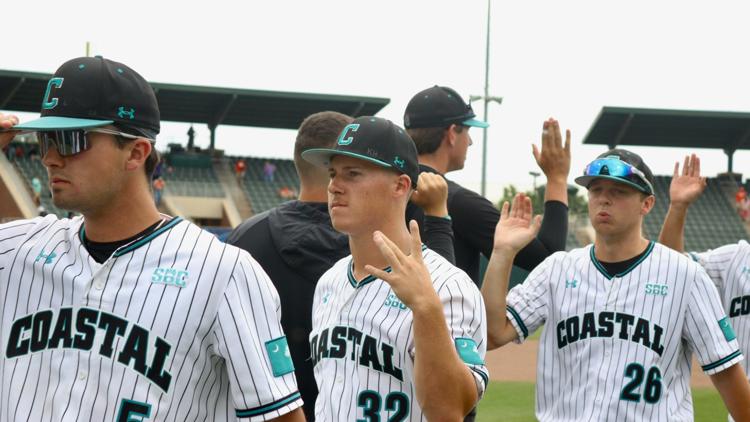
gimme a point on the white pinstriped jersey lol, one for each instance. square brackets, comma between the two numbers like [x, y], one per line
[729, 268]
[362, 341]
[619, 347]
[175, 326]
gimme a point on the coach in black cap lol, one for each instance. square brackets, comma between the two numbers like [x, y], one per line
[439, 120]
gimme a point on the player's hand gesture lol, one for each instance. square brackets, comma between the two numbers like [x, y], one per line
[688, 185]
[409, 277]
[7, 121]
[554, 157]
[431, 194]
[517, 226]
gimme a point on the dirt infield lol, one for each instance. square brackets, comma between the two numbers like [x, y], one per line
[516, 362]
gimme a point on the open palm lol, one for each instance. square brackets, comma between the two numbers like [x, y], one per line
[517, 226]
[687, 185]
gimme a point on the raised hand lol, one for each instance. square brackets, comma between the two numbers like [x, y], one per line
[7, 121]
[554, 157]
[409, 277]
[687, 185]
[517, 226]
[431, 194]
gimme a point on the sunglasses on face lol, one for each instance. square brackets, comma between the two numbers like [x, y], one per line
[72, 142]
[611, 166]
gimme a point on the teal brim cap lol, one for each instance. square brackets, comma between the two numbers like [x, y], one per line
[475, 123]
[60, 123]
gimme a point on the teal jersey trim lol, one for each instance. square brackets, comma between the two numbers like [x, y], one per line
[268, 407]
[140, 242]
[357, 284]
[604, 272]
[484, 376]
[519, 321]
[720, 362]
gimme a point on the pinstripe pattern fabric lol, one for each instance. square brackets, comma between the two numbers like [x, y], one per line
[81, 337]
[619, 347]
[352, 318]
[729, 268]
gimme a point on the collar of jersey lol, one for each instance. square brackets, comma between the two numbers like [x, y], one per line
[604, 272]
[138, 242]
[353, 281]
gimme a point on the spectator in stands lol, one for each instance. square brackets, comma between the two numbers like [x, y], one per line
[36, 188]
[11, 152]
[268, 171]
[240, 167]
[19, 152]
[741, 203]
[295, 243]
[438, 121]
[159, 185]
[158, 170]
[287, 193]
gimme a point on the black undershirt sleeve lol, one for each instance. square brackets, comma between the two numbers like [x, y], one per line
[550, 239]
[438, 236]
[475, 218]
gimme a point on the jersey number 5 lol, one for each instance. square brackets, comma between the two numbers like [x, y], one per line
[133, 411]
[371, 402]
[651, 388]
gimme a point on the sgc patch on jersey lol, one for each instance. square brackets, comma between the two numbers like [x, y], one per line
[278, 355]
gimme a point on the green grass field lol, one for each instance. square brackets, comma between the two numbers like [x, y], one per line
[514, 402]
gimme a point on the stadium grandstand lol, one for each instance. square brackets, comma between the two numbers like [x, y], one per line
[201, 185]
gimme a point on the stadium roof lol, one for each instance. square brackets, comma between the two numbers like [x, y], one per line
[23, 91]
[670, 128]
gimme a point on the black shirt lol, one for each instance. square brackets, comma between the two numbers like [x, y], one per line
[474, 219]
[101, 251]
[615, 268]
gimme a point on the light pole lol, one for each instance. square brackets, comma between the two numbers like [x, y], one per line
[486, 98]
[534, 174]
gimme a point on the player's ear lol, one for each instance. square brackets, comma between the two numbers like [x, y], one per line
[402, 186]
[451, 135]
[647, 204]
[139, 150]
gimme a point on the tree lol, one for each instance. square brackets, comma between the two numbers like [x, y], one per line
[577, 204]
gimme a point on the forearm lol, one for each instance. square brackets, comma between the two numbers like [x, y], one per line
[438, 236]
[554, 230]
[445, 387]
[556, 190]
[295, 415]
[495, 291]
[735, 391]
[672, 232]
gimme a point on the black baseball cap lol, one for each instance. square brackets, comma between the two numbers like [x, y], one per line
[375, 140]
[90, 92]
[621, 166]
[439, 106]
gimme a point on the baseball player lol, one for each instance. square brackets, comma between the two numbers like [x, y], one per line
[727, 266]
[398, 332]
[125, 314]
[622, 317]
